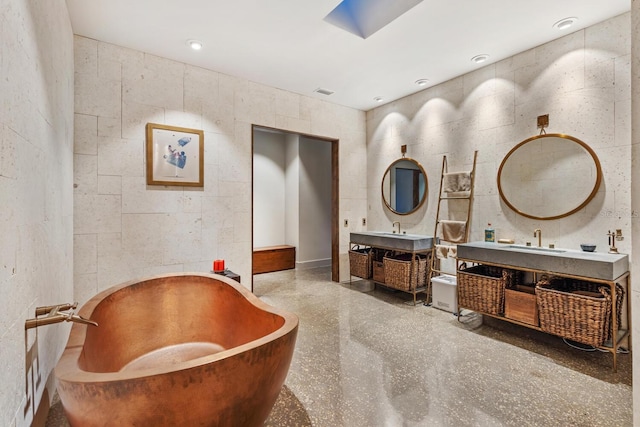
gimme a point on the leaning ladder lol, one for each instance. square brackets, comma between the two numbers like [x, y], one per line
[466, 198]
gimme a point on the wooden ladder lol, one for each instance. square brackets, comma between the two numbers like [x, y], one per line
[467, 199]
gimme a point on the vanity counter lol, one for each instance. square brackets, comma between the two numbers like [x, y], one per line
[595, 265]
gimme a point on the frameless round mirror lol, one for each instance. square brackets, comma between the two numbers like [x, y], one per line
[404, 186]
[549, 176]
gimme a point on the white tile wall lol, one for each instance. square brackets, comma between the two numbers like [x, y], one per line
[575, 79]
[36, 194]
[135, 229]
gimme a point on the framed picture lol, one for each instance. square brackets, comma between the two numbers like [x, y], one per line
[175, 156]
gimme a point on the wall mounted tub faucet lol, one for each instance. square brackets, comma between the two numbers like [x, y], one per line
[538, 232]
[393, 226]
[55, 314]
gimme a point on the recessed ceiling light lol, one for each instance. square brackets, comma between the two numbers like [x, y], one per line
[565, 23]
[195, 44]
[378, 99]
[479, 59]
[422, 82]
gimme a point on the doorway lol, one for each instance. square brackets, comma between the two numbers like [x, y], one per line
[317, 164]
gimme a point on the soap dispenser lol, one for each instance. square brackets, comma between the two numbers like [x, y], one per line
[489, 234]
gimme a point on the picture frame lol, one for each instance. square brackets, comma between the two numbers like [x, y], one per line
[175, 155]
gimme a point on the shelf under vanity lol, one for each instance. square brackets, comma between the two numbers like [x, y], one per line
[535, 263]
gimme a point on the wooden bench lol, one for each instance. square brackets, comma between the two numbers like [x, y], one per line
[273, 258]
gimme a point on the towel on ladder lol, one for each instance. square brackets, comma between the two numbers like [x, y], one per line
[445, 251]
[455, 182]
[454, 231]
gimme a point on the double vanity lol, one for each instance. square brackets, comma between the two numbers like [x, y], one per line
[530, 263]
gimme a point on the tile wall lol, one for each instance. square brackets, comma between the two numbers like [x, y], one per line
[581, 80]
[124, 229]
[36, 196]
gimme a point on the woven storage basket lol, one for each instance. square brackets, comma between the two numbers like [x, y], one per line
[360, 262]
[481, 287]
[402, 273]
[581, 318]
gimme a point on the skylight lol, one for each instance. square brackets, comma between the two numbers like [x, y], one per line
[364, 17]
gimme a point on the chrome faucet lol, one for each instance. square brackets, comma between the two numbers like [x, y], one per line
[538, 232]
[56, 314]
[394, 226]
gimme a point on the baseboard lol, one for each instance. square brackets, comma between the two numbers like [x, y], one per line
[307, 265]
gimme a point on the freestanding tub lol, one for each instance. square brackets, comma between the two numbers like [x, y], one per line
[176, 350]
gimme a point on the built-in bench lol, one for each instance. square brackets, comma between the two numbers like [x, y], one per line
[273, 258]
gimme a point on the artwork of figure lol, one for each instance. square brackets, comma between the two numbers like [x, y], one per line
[178, 159]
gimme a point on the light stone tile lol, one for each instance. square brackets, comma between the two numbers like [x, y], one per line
[623, 122]
[109, 69]
[183, 119]
[287, 104]
[9, 142]
[85, 248]
[182, 238]
[623, 78]
[611, 38]
[110, 127]
[135, 118]
[85, 173]
[97, 97]
[85, 287]
[97, 214]
[139, 198]
[292, 124]
[109, 184]
[599, 72]
[158, 83]
[142, 239]
[131, 59]
[123, 157]
[85, 56]
[85, 134]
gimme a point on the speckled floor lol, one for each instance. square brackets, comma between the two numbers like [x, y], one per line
[366, 357]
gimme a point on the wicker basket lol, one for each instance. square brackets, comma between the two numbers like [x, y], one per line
[481, 287]
[402, 273]
[577, 310]
[360, 262]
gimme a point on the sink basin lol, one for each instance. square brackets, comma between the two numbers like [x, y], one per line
[536, 248]
[393, 241]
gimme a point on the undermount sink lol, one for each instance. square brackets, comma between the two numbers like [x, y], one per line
[395, 241]
[536, 248]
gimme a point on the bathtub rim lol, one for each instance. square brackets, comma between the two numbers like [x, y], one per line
[68, 369]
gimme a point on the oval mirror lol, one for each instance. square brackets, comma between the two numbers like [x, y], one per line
[549, 176]
[404, 186]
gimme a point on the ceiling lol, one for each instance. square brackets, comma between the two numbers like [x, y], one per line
[287, 44]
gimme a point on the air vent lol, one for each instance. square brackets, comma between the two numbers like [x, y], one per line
[324, 91]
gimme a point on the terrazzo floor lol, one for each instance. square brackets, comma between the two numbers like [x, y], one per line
[366, 356]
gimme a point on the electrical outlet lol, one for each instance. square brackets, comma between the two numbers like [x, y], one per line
[364, 221]
[346, 222]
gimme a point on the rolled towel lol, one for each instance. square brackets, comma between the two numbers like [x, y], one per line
[454, 231]
[455, 182]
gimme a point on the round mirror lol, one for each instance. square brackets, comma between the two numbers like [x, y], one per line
[404, 186]
[549, 176]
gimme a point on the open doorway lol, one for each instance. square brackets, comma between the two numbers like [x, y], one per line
[294, 200]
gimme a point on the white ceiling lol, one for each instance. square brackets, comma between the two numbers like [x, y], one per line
[287, 44]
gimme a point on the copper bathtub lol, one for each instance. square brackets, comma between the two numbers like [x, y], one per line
[176, 350]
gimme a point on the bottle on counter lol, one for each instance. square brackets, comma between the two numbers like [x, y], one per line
[489, 234]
